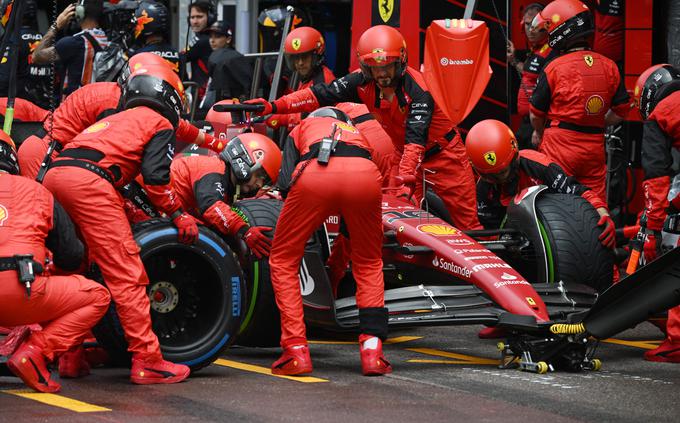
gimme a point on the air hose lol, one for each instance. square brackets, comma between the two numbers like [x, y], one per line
[567, 328]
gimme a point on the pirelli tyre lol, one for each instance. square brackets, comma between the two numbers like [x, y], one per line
[196, 293]
[568, 225]
[261, 322]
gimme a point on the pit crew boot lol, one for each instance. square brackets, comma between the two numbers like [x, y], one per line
[149, 372]
[72, 364]
[667, 352]
[373, 362]
[492, 333]
[29, 364]
[295, 360]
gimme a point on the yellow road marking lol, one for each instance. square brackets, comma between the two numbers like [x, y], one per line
[395, 340]
[647, 345]
[265, 371]
[462, 358]
[57, 401]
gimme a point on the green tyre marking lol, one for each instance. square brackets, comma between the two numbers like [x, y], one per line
[251, 307]
[548, 252]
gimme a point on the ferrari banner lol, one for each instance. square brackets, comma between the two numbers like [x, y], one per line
[385, 12]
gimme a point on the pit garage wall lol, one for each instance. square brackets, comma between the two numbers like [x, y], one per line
[412, 17]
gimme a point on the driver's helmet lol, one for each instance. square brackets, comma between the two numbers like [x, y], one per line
[158, 88]
[568, 22]
[270, 24]
[304, 40]
[151, 18]
[332, 112]
[8, 154]
[491, 147]
[379, 46]
[653, 85]
[251, 152]
[138, 61]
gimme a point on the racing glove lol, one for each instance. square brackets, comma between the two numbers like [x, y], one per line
[404, 186]
[222, 218]
[608, 235]
[215, 144]
[652, 247]
[269, 108]
[258, 243]
[186, 227]
[410, 160]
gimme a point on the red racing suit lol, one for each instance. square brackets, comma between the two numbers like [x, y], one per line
[661, 133]
[574, 92]
[532, 68]
[349, 186]
[24, 110]
[66, 306]
[204, 189]
[609, 29]
[419, 130]
[79, 110]
[531, 168]
[84, 178]
[323, 75]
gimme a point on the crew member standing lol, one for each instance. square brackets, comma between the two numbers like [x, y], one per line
[304, 50]
[657, 93]
[84, 179]
[346, 183]
[577, 95]
[425, 139]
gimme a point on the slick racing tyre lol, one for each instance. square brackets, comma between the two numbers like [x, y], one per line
[261, 321]
[197, 293]
[568, 225]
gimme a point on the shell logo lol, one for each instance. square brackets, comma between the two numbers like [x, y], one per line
[438, 230]
[296, 43]
[346, 127]
[4, 214]
[594, 104]
[99, 126]
[555, 18]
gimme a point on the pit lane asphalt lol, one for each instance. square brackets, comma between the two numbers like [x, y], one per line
[441, 374]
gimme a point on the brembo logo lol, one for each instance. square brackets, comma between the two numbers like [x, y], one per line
[445, 61]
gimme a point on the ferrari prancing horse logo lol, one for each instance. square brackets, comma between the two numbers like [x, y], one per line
[296, 44]
[490, 158]
[589, 60]
[3, 214]
[385, 7]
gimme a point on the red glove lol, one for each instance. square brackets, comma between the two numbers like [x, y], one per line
[404, 186]
[277, 121]
[268, 107]
[410, 159]
[652, 248]
[258, 243]
[187, 228]
[608, 235]
[215, 144]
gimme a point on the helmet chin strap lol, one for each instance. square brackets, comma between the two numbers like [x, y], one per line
[237, 193]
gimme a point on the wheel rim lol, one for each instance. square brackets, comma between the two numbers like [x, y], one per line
[187, 298]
